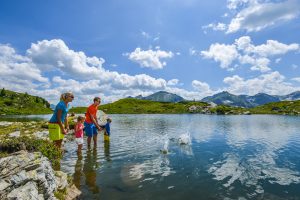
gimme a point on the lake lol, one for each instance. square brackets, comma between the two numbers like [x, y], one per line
[191, 157]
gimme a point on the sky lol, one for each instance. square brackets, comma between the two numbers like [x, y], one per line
[120, 48]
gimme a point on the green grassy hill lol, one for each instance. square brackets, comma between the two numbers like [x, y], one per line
[282, 108]
[19, 103]
[138, 106]
[132, 106]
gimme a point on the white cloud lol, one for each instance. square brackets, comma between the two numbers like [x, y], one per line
[50, 68]
[272, 83]
[14, 65]
[55, 55]
[149, 58]
[257, 16]
[270, 48]
[244, 52]
[296, 79]
[234, 4]
[192, 52]
[273, 47]
[190, 95]
[200, 86]
[222, 53]
[145, 34]
[156, 38]
[173, 82]
[216, 27]
[277, 60]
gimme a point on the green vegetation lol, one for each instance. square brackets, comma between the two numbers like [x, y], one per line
[12, 103]
[18, 103]
[60, 194]
[137, 106]
[25, 128]
[26, 141]
[228, 110]
[47, 148]
[281, 108]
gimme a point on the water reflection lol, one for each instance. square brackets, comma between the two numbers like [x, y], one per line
[77, 177]
[90, 167]
[253, 157]
[107, 150]
[227, 157]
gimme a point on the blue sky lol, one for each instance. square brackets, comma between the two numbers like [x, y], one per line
[118, 48]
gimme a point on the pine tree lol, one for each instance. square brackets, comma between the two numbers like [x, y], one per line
[3, 92]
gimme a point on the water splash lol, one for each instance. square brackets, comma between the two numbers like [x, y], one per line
[165, 148]
[185, 139]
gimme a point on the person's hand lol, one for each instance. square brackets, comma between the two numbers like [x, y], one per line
[99, 128]
[65, 131]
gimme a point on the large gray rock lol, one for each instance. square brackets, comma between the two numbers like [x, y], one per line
[26, 175]
[29, 191]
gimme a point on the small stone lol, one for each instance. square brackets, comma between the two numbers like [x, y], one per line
[5, 123]
[15, 134]
[72, 193]
[42, 134]
[61, 179]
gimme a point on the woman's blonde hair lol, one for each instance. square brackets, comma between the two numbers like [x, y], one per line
[64, 96]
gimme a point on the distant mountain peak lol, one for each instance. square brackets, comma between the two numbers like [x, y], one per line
[162, 96]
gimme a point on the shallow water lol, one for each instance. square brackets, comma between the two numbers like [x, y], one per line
[226, 157]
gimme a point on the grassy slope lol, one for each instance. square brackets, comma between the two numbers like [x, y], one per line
[19, 103]
[283, 108]
[137, 106]
[132, 106]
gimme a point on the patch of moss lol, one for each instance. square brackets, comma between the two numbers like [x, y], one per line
[60, 194]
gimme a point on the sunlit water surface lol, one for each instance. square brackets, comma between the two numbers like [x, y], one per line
[191, 157]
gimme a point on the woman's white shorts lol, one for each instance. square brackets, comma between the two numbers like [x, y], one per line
[79, 141]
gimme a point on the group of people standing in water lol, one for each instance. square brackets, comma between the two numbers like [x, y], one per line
[59, 125]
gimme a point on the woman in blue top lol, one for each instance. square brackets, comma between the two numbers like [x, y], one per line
[58, 124]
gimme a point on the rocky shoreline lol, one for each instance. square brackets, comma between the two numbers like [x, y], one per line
[27, 175]
[26, 164]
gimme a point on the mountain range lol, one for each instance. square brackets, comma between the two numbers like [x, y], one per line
[161, 96]
[249, 101]
[226, 98]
